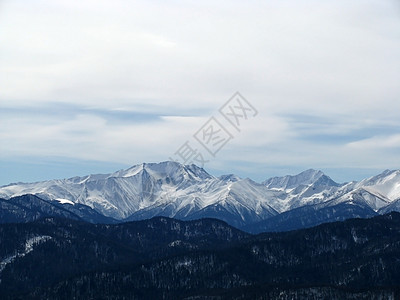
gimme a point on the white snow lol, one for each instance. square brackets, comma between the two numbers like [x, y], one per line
[65, 201]
[386, 184]
[28, 247]
[357, 239]
[185, 262]
[189, 188]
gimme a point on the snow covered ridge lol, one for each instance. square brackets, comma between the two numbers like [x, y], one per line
[188, 192]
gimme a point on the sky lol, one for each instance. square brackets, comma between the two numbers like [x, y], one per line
[97, 86]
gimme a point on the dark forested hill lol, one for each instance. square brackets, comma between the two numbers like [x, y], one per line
[203, 259]
[28, 208]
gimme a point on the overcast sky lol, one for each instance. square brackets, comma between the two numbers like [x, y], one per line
[95, 86]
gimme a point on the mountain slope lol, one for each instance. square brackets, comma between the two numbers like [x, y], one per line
[46, 251]
[322, 200]
[28, 208]
[311, 215]
[304, 178]
[205, 259]
[167, 189]
[188, 192]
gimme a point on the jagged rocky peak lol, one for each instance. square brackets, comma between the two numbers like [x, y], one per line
[229, 178]
[165, 170]
[307, 177]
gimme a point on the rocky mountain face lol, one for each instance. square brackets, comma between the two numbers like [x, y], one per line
[326, 201]
[189, 192]
[165, 189]
[163, 258]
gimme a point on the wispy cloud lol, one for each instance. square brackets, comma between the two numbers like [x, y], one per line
[126, 82]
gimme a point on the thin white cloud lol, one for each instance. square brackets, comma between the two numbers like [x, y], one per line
[377, 143]
[317, 71]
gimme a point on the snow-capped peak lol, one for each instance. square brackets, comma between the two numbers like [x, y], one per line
[229, 178]
[187, 191]
[164, 170]
[386, 183]
[307, 177]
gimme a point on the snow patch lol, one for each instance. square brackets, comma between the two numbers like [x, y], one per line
[64, 201]
[184, 263]
[175, 243]
[357, 239]
[28, 247]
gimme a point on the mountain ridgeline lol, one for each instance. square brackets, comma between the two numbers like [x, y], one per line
[164, 258]
[187, 192]
[170, 231]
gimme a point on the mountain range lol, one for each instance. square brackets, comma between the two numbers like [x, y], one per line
[187, 192]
